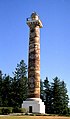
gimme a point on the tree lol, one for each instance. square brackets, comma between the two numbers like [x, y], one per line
[65, 99]
[14, 90]
[59, 96]
[47, 96]
[41, 90]
[0, 88]
[14, 93]
[20, 70]
[5, 90]
[19, 84]
[23, 89]
[56, 96]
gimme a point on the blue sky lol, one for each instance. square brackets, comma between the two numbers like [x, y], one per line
[55, 36]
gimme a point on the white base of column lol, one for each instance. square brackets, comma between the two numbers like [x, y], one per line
[34, 105]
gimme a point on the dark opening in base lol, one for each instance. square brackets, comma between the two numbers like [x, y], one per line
[30, 109]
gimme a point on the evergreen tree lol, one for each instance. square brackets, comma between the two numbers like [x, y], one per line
[47, 96]
[20, 70]
[19, 84]
[0, 88]
[56, 96]
[59, 96]
[41, 90]
[5, 91]
[14, 93]
[65, 99]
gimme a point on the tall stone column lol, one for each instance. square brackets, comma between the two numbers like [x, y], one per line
[33, 103]
[34, 56]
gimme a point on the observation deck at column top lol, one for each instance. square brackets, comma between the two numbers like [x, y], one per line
[34, 19]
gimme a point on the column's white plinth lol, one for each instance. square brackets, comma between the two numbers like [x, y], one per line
[36, 104]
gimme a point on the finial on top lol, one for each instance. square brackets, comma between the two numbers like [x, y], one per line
[35, 16]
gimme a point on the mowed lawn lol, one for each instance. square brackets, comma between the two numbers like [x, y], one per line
[33, 117]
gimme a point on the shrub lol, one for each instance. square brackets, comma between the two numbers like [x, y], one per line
[8, 110]
[5, 110]
[22, 110]
[0, 110]
[19, 110]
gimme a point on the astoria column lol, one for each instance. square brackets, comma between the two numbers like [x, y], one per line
[34, 24]
[33, 103]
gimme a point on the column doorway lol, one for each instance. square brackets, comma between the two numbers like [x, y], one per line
[30, 109]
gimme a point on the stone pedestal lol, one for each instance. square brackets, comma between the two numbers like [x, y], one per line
[34, 105]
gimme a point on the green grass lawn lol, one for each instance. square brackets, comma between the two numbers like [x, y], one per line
[33, 117]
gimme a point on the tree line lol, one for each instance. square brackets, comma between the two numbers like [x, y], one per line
[55, 96]
[13, 90]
